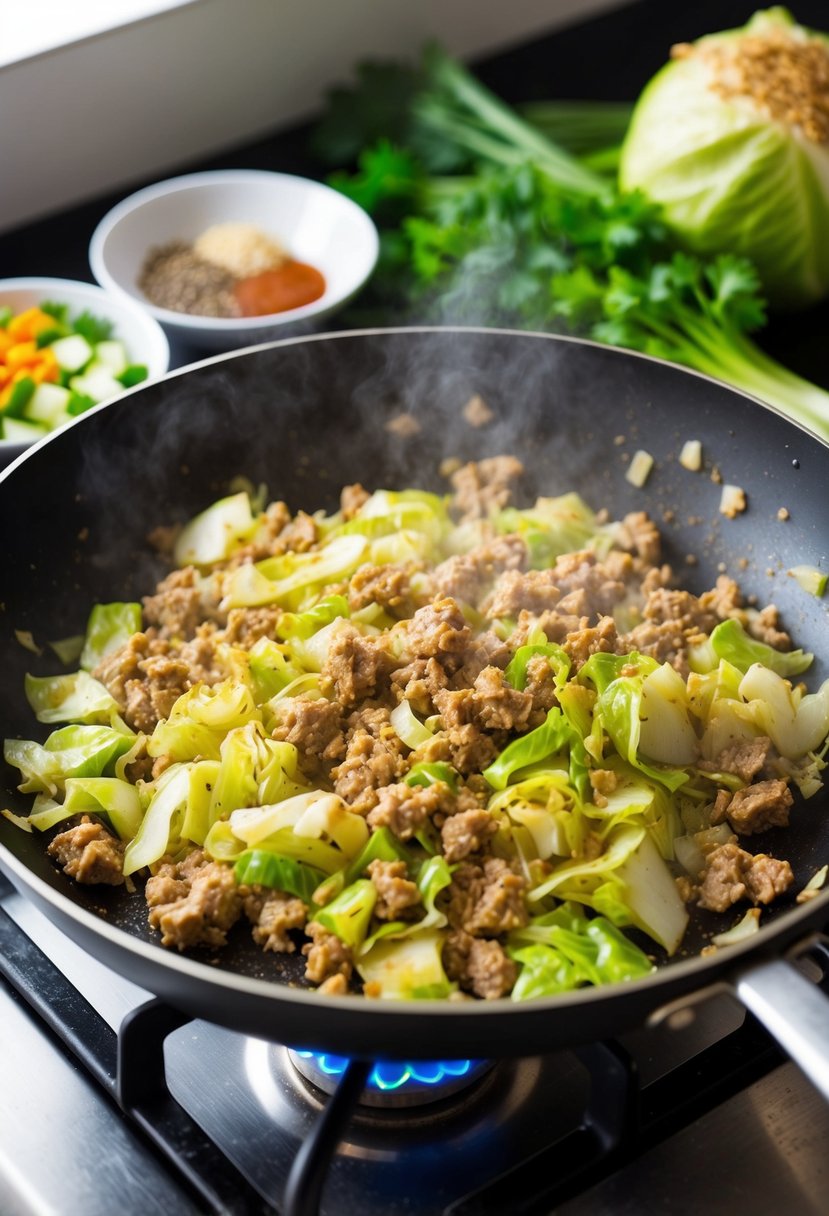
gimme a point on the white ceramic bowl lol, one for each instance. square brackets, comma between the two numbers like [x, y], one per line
[142, 336]
[316, 225]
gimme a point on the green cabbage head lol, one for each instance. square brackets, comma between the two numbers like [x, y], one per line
[732, 139]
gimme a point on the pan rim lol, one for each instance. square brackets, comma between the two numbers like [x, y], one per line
[400, 330]
[155, 955]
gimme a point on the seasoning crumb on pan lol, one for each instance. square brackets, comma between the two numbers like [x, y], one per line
[783, 514]
[402, 425]
[476, 411]
[716, 475]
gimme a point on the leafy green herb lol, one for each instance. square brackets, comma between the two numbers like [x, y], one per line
[6, 315]
[522, 233]
[60, 312]
[94, 329]
[47, 336]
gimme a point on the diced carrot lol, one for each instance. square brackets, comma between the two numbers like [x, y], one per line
[6, 340]
[28, 324]
[23, 354]
[49, 363]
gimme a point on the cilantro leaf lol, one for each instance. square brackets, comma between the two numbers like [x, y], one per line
[94, 329]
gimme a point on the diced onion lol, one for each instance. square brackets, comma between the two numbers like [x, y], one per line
[27, 641]
[19, 821]
[732, 501]
[689, 855]
[691, 455]
[810, 579]
[640, 468]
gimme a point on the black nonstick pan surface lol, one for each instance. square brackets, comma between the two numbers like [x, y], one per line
[308, 416]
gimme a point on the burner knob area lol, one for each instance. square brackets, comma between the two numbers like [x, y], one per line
[392, 1085]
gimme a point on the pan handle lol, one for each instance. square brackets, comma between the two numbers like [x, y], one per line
[794, 1011]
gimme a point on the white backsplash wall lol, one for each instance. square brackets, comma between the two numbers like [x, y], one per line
[137, 101]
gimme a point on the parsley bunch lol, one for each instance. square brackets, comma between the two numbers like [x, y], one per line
[484, 220]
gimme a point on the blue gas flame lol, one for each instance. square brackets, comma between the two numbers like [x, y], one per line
[391, 1076]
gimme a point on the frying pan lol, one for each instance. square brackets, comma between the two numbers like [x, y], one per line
[305, 417]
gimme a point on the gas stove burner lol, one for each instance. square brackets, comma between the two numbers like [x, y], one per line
[393, 1084]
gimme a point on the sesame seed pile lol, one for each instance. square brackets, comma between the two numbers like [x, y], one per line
[786, 77]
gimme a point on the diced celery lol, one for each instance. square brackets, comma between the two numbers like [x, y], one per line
[46, 403]
[14, 430]
[97, 382]
[112, 354]
[72, 353]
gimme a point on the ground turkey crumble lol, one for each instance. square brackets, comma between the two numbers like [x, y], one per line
[441, 638]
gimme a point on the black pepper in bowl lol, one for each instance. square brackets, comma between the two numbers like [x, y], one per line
[174, 277]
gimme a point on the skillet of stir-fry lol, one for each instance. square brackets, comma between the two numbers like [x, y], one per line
[443, 746]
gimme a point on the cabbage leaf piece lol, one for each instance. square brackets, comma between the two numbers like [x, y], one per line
[554, 736]
[109, 627]
[620, 706]
[266, 869]
[566, 951]
[213, 534]
[313, 813]
[795, 724]
[349, 914]
[409, 968]
[70, 698]
[304, 624]
[730, 641]
[516, 670]
[288, 579]
[72, 751]
[201, 718]
[114, 799]
[254, 771]
[554, 526]
[629, 883]
[160, 826]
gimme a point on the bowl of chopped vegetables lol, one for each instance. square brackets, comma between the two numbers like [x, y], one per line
[231, 258]
[65, 347]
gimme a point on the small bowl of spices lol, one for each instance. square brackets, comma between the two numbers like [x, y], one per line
[235, 257]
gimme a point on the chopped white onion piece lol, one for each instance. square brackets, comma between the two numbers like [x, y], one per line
[810, 579]
[689, 855]
[813, 886]
[19, 821]
[732, 501]
[691, 455]
[744, 928]
[27, 641]
[640, 468]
